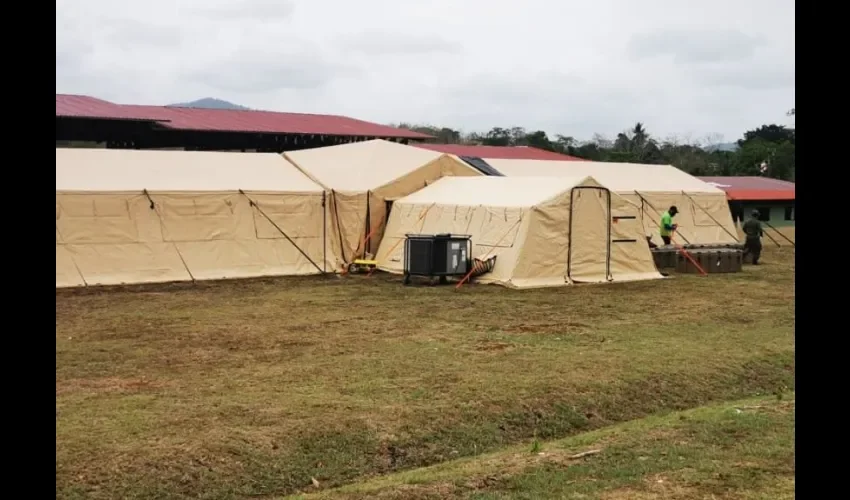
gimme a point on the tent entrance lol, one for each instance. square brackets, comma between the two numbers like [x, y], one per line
[589, 244]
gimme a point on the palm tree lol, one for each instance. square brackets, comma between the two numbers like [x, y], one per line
[636, 144]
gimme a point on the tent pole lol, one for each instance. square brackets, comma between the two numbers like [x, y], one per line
[339, 231]
[570, 234]
[324, 232]
[609, 276]
[254, 204]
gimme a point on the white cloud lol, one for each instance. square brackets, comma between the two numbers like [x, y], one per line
[681, 68]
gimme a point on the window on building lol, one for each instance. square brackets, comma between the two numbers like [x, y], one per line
[764, 214]
[789, 213]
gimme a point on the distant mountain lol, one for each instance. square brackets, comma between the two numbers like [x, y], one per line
[723, 146]
[208, 103]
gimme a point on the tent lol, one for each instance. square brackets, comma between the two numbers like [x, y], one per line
[544, 231]
[126, 216]
[364, 178]
[704, 216]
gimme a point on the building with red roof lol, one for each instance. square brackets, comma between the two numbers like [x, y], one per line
[499, 152]
[87, 119]
[773, 198]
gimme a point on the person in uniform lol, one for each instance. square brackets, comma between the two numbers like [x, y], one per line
[753, 233]
[667, 226]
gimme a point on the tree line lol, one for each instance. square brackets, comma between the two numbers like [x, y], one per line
[768, 150]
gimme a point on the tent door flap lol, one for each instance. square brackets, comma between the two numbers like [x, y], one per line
[589, 235]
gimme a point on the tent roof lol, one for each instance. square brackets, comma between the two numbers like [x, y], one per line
[131, 170]
[618, 177]
[361, 166]
[494, 191]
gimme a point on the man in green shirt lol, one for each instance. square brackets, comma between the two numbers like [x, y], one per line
[667, 226]
[753, 231]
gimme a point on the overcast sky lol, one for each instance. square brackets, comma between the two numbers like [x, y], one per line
[683, 67]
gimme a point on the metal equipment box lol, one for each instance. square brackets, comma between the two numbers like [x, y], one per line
[440, 255]
[713, 261]
[664, 257]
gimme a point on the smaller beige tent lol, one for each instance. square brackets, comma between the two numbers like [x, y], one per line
[545, 231]
[704, 215]
[364, 178]
[125, 216]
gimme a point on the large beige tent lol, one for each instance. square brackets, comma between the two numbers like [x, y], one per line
[704, 216]
[125, 216]
[544, 231]
[364, 178]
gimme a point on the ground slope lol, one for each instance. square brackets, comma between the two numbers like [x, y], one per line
[742, 449]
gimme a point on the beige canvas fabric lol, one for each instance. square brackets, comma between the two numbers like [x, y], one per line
[704, 216]
[157, 216]
[545, 231]
[363, 177]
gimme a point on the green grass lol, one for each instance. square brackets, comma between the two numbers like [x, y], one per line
[253, 388]
[743, 449]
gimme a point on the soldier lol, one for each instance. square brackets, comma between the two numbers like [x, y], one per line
[667, 226]
[754, 232]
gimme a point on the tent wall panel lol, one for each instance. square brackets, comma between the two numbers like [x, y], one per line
[499, 227]
[67, 274]
[298, 216]
[204, 217]
[102, 219]
[116, 264]
[627, 242]
[542, 259]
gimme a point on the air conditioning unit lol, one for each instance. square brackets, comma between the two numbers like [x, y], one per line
[437, 255]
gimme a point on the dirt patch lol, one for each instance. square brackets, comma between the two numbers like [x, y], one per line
[565, 327]
[486, 346]
[108, 385]
[656, 487]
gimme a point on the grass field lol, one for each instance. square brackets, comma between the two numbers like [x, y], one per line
[742, 450]
[258, 388]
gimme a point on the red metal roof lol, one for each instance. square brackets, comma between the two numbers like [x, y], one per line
[82, 106]
[499, 152]
[753, 188]
[227, 120]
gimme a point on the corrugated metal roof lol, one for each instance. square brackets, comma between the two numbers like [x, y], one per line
[82, 106]
[226, 120]
[754, 188]
[499, 152]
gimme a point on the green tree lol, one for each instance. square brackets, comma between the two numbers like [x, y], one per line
[770, 133]
[443, 135]
[539, 139]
